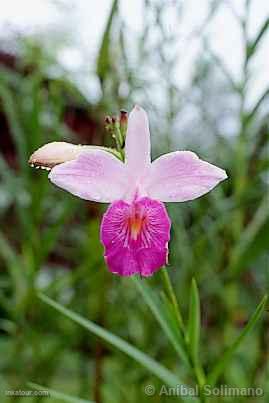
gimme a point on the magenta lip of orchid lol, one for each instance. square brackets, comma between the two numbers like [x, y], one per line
[135, 230]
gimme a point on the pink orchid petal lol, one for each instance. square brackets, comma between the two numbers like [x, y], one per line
[180, 176]
[95, 175]
[135, 237]
[137, 145]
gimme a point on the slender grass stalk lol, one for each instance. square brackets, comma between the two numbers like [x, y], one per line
[195, 363]
[171, 295]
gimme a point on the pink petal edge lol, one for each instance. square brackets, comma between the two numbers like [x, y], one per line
[95, 175]
[181, 176]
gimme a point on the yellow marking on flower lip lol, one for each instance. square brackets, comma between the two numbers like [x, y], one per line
[135, 225]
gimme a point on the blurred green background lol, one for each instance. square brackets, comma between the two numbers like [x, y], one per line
[49, 240]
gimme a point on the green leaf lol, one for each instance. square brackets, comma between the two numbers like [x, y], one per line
[58, 395]
[253, 45]
[51, 234]
[15, 268]
[258, 247]
[165, 316]
[172, 297]
[5, 171]
[253, 112]
[10, 109]
[147, 362]
[249, 238]
[194, 322]
[193, 332]
[103, 61]
[220, 366]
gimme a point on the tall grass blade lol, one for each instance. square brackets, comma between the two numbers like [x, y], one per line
[161, 315]
[147, 362]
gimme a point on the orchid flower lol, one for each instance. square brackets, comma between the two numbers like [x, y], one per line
[135, 230]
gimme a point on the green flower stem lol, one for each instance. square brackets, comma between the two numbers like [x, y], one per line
[171, 295]
[119, 139]
[119, 135]
[118, 145]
